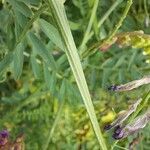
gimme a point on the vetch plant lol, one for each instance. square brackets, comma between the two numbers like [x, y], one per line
[123, 115]
[6, 143]
[52, 73]
[139, 123]
[135, 123]
[131, 85]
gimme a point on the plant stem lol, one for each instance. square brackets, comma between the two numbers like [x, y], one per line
[145, 8]
[106, 15]
[58, 12]
[86, 35]
[58, 116]
[91, 50]
[141, 106]
[26, 28]
[118, 25]
[110, 10]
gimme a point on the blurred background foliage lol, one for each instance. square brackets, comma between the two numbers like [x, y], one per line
[38, 94]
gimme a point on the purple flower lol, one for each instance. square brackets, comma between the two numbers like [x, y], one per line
[117, 129]
[107, 127]
[130, 85]
[112, 88]
[133, 127]
[118, 135]
[123, 115]
[4, 137]
[4, 134]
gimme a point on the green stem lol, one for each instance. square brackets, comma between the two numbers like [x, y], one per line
[120, 147]
[146, 13]
[119, 24]
[91, 50]
[58, 12]
[141, 106]
[114, 144]
[110, 10]
[145, 8]
[106, 15]
[26, 28]
[86, 35]
[58, 116]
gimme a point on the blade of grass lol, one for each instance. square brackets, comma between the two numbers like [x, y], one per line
[59, 15]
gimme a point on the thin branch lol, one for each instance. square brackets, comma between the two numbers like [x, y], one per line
[58, 116]
[102, 20]
[94, 47]
[34, 17]
[86, 35]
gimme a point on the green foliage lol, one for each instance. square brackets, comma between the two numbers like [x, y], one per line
[38, 91]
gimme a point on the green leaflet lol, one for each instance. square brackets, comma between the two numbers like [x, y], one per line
[52, 33]
[18, 30]
[18, 61]
[41, 50]
[35, 67]
[21, 19]
[5, 62]
[29, 2]
[21, 7]
[50, 79]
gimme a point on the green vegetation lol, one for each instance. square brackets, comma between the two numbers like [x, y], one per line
[57, 60]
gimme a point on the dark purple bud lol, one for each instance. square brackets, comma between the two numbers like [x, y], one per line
[4, 134]
[118, 129]
[118, 136]
[130, 85]
[107, 127]
[3, 137]
[112, 88]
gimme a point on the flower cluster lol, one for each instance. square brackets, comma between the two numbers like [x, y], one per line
[3, 137]
[6, 144]
[136, 39]
[131, 85]
[122, 130]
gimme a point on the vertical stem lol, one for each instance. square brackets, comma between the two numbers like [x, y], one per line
[58, 12]
[102, 20]
[28, 25]
[117, 26]
[86, 35]
[58, 116]
[145, 8]
[106, 15]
